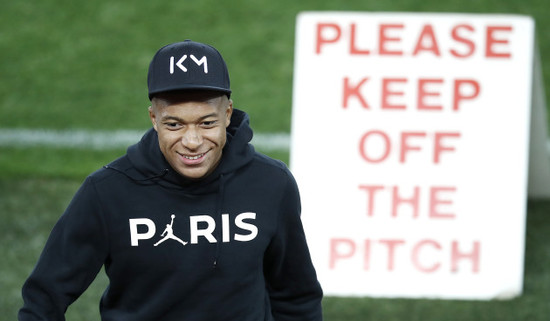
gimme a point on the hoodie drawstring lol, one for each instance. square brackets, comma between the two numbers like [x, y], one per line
[219, 207]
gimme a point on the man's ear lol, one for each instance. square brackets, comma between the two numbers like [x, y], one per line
[153, 117]
[228, 113]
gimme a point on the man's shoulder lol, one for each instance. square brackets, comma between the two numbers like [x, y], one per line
[269, 162]
[114, 169]
[273, 168]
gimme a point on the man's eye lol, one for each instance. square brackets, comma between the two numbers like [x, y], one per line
[172, 125]
[209, 123]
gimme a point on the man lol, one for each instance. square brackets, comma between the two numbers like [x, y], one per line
[236, 249]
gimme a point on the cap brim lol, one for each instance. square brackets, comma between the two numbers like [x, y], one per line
[189, 88]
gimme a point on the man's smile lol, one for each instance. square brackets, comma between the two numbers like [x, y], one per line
[190, 160]
[193, 157]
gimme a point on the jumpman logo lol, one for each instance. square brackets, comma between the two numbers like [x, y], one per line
[169, 232]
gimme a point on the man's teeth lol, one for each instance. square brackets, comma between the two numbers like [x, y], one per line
[194, 157]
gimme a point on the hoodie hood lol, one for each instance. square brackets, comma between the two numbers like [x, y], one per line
[148, 164]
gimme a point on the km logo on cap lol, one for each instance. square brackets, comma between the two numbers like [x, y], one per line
[203, 61]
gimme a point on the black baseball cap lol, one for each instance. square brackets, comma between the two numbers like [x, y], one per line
[187, 65]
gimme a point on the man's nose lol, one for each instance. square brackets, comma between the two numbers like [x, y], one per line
[191, 139]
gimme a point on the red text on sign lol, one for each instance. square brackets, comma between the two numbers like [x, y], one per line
[439, 200]
[389, 41]
[406, 143]
[426, 88]
[425, 255]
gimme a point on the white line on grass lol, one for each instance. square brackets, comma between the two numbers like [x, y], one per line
[102, 140]
[105, 139]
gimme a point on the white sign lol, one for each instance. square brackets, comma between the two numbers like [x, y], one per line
[410, 138]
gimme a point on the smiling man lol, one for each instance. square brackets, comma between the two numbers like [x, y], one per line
[191, 128]
[191, 224]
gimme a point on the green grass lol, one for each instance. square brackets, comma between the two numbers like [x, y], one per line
[82, 64]
[68, 65]
[53, 163]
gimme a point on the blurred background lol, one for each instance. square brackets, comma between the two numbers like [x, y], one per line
[72, 68]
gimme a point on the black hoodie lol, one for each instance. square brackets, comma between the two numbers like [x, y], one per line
[227, 247]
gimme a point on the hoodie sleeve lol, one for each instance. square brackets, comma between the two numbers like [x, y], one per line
[294, 291]
[70, 261]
